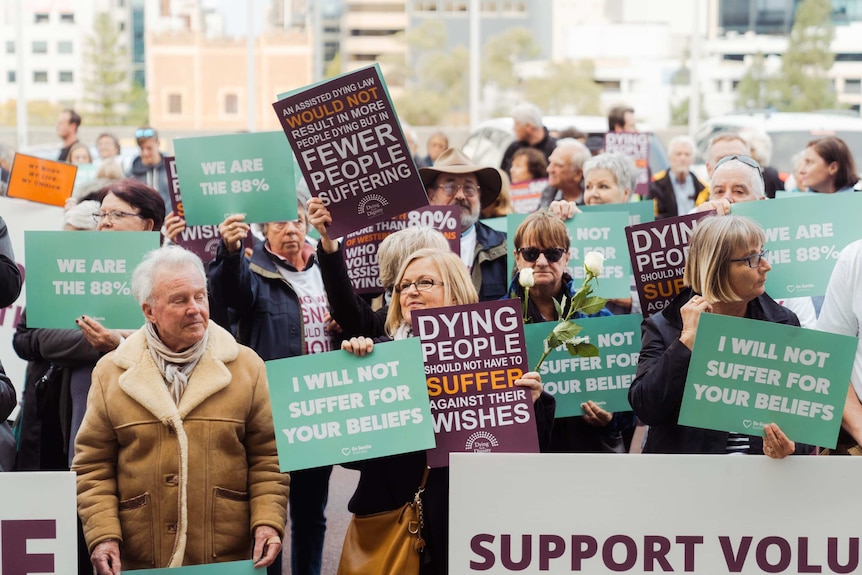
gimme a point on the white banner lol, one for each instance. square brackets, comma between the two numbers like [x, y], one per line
[37, 523]
[21, 215]
[600, 513]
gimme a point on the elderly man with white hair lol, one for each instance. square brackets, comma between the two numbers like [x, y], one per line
[529, 133]
[675, 191]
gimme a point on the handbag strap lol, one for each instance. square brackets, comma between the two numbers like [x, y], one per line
[419, 545]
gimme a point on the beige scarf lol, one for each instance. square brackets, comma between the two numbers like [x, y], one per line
[176, 367]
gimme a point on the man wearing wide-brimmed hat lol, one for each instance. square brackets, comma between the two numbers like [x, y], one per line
[455, 180]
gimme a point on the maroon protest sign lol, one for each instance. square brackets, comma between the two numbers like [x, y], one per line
[527, 196]
[350, 149]
[200, 240]
[635, 145]
[473, 354]
[360, 247]
[658, 251]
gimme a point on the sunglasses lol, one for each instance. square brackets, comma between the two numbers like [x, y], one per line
[144, 133]
[747, 160]
[532, 254]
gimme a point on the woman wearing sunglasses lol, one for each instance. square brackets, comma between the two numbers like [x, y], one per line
[725, 274]
[542, 244]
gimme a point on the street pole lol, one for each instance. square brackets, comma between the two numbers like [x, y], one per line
[694, 92]
[475, 72]
[21, 78]
[251, 71]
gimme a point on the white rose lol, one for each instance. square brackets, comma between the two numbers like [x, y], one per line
[526, 279]
[594, 262]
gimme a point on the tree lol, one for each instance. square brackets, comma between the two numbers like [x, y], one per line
[567, 87]
[756, 89]
[802, 84]
[106, 84]
[502, 52]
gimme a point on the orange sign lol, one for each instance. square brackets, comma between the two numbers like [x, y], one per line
[40, 180]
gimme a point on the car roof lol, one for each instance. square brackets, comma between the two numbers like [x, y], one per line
[785, 121]
[583, 123]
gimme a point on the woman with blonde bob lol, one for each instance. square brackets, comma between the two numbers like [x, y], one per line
[427, 279]
[725, 274]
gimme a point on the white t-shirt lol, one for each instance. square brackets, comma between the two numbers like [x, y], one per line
[842, 307]
[468, 246]
[308, 285]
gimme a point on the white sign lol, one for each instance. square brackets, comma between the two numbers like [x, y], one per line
[599, 513]
[38, 531]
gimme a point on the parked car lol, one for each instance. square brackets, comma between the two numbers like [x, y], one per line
[790, 132]
[487, 144]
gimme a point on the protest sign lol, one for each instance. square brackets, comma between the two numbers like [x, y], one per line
[635, 145]
[604, 379]
[360, 247]
[350, 148]
[706, 514]
[335, 407]
[224, 568]
[38, 532]
[639, 212]
[81, 273]
[658, 252]
[594, 232]
[784, 194]
[804, 238]
[473, 354]
[40, 180]
[200, 240]
[527, 196]
[236, 173]
[776, 373]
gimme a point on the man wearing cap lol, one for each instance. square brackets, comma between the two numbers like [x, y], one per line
[149, 166]
[455, 180]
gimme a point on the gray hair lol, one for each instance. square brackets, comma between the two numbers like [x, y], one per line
[622, 167]
[80, 216]
[754, 175]
[576, 152]
[527, 114]
[397, 246]
[681, 140]
[167, 258]
[760, 144]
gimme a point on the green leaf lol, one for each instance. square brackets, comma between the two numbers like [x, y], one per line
[593, 305]
[559, 306]
[587, 350]
[552, 340]
[566, 330]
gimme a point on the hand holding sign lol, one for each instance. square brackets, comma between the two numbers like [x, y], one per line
[233, 231]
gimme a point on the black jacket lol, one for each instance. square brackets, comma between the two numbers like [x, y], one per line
[10, 275]
[489, 273]
[661, 191]
[656, 393]
[546, 146]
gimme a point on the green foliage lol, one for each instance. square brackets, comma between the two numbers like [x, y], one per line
[106, 84]
[567, 87]
[139, 108]
[755, 87]
[500, 54]
[679, 112]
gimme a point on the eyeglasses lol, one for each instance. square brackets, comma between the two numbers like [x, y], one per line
[747, 160]
[422, 285]
[532, 254]
[115, 216]
[451, 188]
[144, 133]
[753, 260]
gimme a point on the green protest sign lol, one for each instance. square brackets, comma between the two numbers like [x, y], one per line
[604, 379]
[639, 212]
[804, 238]
[775, 373]
[236, 173]
[70, 274]
[225, 568]
[334, 407]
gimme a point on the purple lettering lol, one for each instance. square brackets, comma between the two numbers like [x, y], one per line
[630, 558]
[526, 552]
[688, 543]
[803, 566]
[486, 554]
[852, 555]
[550, 547]
[583, 547]
[736, 561]
[656, 548]
[784, 554]
[15, 533]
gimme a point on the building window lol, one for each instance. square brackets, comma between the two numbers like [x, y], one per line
[10, 76]
[40, 77]
[40, 47]
[121, 26]
[66, 77]
[10, 47]
[853, 86]
[175, 104]
[64, 47]
[67, 18]
[40, 18]
[231, 104]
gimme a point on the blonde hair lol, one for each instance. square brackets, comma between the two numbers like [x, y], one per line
[457, 287]
[398, 245]
[712, 246]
